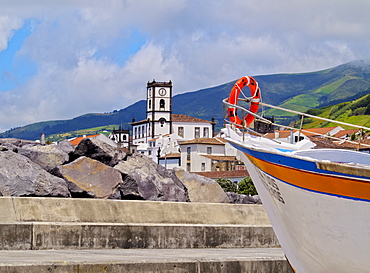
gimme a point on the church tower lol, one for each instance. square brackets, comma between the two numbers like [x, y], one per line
[159, 108]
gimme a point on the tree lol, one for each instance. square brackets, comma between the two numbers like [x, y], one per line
[246, 187]
[227, 185]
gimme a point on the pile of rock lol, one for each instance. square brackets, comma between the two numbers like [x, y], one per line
[95, 169]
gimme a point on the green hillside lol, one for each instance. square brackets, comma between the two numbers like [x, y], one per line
[299, 92]
[355, 112]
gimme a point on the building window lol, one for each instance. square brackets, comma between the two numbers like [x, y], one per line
[162, 121]
[197, 132]
[188, 150]
[150, 104]
[180, 131]
[188, 167]
[203, 168]
[135, 132]
[206, 132]
[296, 138]
[209, 150]
[161, 104]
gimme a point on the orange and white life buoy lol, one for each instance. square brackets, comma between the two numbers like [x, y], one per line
[254, 100]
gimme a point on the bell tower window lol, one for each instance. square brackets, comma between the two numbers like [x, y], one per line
[161, 104]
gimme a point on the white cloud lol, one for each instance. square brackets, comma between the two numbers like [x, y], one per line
[77, 47]
[7, 26]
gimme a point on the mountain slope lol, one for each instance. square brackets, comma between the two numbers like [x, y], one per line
[295, 91]
[355, 112]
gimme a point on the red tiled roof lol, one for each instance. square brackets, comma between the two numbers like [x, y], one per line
[171, 155]
[308, 132]
[328, 143]
[319, 131]
[281, 134]
[184, 118]
[343, 133]
[221, 157]
[205, 140]
[322, 142]
[139, 122]
[77, 140]
[224, 174]
[354, 146]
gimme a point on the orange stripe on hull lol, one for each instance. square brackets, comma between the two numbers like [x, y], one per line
[345, 187]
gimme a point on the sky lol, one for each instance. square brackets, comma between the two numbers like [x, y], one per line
[63, 58]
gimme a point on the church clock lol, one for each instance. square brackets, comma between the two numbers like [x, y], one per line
[162, 92]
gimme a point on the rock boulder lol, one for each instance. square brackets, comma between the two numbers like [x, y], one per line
[66, 146]
[47, 156]
[243, 199]
[19, 176]
[200, 188]
[100, 151]
[15, 142]
[145, 179]
[90, 178]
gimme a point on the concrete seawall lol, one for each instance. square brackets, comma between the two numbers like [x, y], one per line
[117, 211]
[57, 223]
[91, 235]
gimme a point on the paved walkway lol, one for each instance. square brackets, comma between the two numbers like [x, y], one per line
[33, 257]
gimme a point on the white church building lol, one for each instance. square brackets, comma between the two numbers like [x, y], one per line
[161, 134]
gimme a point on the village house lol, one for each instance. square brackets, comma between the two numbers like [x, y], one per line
[161, 134]
[121, 137]
[294, 136]
[209, 154]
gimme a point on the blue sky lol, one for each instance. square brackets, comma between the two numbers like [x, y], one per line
[60, 59]
[16, 70]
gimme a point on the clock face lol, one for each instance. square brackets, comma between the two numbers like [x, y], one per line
[162, 92]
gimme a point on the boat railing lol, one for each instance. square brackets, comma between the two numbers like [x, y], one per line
[242, 111]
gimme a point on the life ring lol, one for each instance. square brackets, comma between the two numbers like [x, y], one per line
[254, 100]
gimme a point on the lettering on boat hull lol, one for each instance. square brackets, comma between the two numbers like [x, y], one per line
[271, 186]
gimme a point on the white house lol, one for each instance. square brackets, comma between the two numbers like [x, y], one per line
[159, 135]
[209, 154]
[293, 136]
[121, 137]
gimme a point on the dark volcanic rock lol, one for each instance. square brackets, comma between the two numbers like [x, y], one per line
[99, 170]
[99, 150]
[19, 176]
[145, 179]
[90, 178]
[243, 199]
[66, 146]
[3, 148]
[14, 142]
[48, 157]
[200, 188]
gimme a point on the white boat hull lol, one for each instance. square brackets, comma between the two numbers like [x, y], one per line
[321, 216]
[318, 233]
